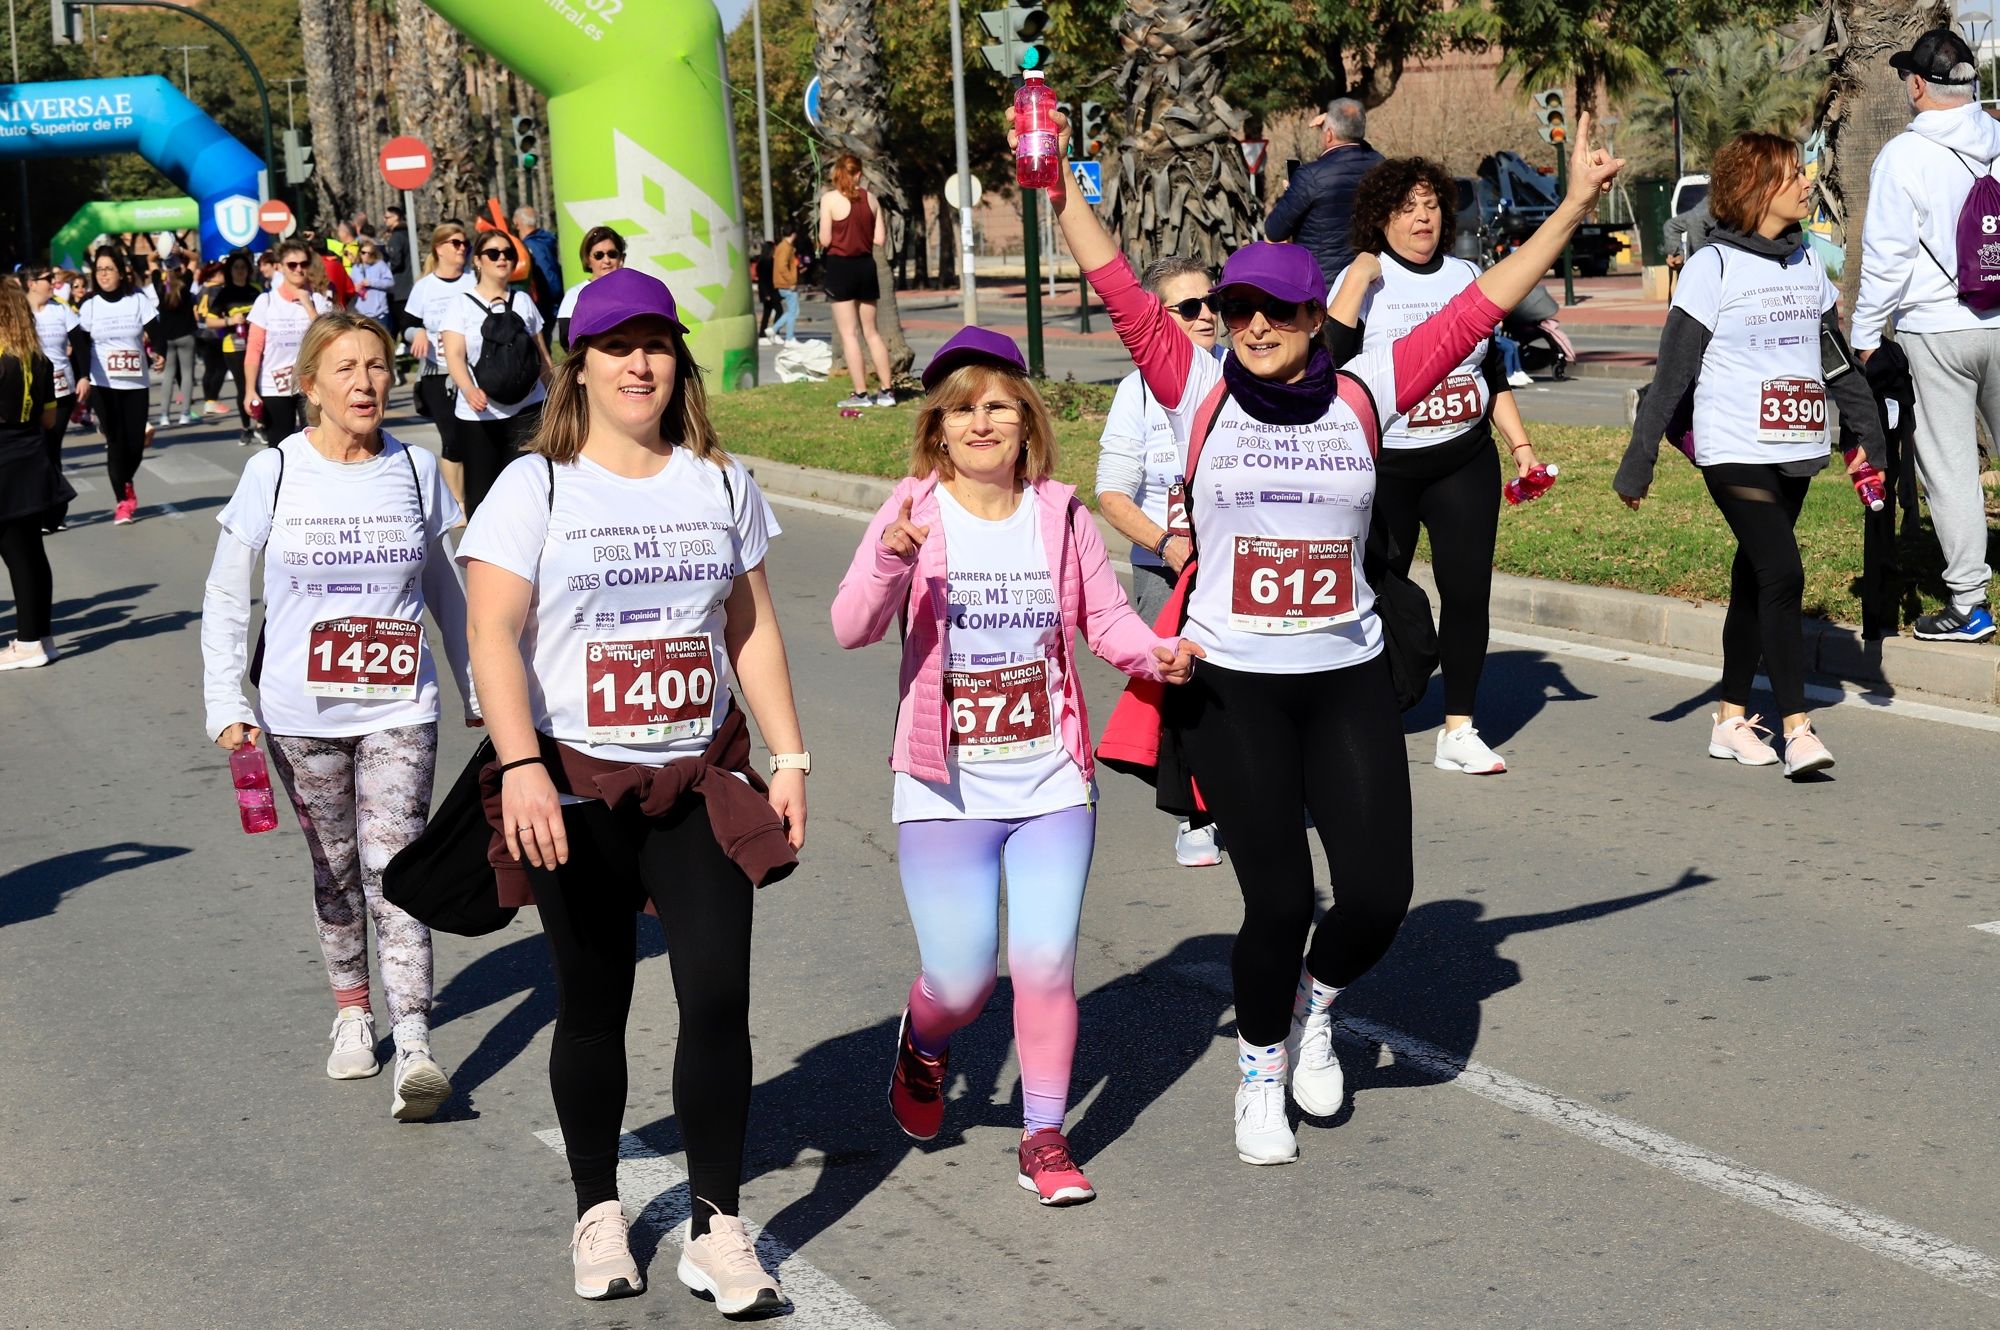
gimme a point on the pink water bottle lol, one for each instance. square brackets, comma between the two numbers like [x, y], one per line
[1867, 483]
[1541, 478]
[252, 780]
[1036, 162]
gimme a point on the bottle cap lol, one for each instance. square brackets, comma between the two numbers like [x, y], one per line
[1030, 72]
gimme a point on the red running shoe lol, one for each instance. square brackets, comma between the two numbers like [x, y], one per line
[1049, 1172]
[916, 1087]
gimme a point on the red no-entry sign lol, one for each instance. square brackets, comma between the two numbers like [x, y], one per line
[406, 162]
[275, 217]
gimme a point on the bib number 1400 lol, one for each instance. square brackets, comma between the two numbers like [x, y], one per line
[648, 690]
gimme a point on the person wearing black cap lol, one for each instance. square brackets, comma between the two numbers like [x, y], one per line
[991, 567]
[616, 596]
[1910, 270]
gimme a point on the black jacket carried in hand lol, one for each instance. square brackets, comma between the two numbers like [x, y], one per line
[1318, 205]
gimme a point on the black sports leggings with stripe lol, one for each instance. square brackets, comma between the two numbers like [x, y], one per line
[1767, 581]
[1265, 749]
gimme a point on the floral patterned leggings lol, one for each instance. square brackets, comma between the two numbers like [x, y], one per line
[360, 799]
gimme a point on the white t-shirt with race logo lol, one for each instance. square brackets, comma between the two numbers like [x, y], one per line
[464, 314]
[624, 638]
[1137, 427]
[344, 651]
[1406, 297]
[1761, 396]
[284, 323]
[429, 299]
[117, 331]
[53, 323]
[1003, 662]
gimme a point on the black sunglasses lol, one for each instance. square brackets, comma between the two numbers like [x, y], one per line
[1238, 311]
[599, 255]
[1189, 309]
[506, 254]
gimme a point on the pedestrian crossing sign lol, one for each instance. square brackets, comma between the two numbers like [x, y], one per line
[1089, 180]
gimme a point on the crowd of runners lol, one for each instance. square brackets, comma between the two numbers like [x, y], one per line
[592, 559]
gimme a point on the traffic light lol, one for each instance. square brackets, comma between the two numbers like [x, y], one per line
[1017, 43]
[1089, 134]
[298, 158]
[66, 21]
[527, 139]
[1549, 110]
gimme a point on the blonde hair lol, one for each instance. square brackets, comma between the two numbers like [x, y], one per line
[963, 387]
[440, 234]
[565, 423]
[323, 332]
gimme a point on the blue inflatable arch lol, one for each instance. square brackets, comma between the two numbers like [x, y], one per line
[91, 117]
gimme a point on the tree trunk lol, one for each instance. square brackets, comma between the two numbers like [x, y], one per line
[854, 115]
[432, 104]
[326, 28]
[373, 117]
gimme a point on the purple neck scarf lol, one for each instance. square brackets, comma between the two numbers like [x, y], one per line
[1275, 403]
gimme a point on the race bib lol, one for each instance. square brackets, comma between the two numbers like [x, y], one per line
[282, 380]
[123, 360]
[1453, 403]
[366, 657]
[1791, 411]
[60, 369]
[648, 690]
[1177, 513]
[999, 713]
[1281, 586]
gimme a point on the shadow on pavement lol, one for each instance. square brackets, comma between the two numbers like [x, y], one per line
[1513, 690]
[36, 889]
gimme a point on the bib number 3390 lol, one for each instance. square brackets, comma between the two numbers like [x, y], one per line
[1791, 411]
[999, 713]
[1282, 586]
[365, 657]
[648, 690]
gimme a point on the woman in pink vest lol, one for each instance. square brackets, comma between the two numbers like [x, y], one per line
[992, 567]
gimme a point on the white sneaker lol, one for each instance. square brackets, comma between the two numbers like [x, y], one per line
[1520, 379]
[883, 399]
[600, 1250]
[1318, 1086]
[421, 1086]
[1263, 1134]
[1463, 750]
[353, 1056]
[1196, 847]
[19, 655]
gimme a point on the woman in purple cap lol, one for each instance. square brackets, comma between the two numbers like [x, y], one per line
[991, 567]
[1292, 709]
[615, 593]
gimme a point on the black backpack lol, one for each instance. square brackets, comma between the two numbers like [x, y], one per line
[508, 363]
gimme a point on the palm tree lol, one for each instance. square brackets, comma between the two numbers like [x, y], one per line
[326, 29]
[431, 103]
[854, 117]
[1738, 86]
[1179, 184]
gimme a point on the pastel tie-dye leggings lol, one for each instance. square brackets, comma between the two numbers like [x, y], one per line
[951, 880]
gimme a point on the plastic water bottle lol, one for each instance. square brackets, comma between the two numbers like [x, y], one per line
[1541, 478]
[1867, 484]
[1036, 164]
[252, 780]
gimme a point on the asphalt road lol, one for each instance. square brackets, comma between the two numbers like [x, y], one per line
[1665, 1042]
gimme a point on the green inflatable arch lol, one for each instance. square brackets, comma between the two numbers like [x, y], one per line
[640, 139]
[68, 249]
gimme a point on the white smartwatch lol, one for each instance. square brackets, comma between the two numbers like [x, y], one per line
[799, 762]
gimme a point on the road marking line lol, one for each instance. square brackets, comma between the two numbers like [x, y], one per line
[1993, 927]
[818, 1302]
[78, 483]
[1931, 1253]
[187, 471]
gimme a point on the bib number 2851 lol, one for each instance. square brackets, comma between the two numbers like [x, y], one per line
[648, 690]
[1281, 586]
[364, 657]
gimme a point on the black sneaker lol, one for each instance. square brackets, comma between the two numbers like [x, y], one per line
[1952, 624]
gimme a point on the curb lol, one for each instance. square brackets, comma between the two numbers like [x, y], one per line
[1832, 651]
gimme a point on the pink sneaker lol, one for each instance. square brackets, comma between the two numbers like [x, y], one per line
[126, 510]
[1049, 1172]
[1737, 738]
[1804, 752]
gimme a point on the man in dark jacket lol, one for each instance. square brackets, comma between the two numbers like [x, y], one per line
[1318, 203]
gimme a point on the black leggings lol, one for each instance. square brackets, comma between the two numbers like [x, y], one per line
[284, 416]
[218, 364]
[28, 567]
[434, 391]
[487, 446]
[1453, 489]
[52, 444]
[589, 913]
[1767, 582]
[1265, 750]
[121, 416]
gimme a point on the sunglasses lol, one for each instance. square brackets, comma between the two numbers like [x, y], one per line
[1238, 311]
[497, 255]
[456, 242]
[299, 266]
[1190, 309]
[599, 255]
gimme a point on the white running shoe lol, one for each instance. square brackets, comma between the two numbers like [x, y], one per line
[1520, 379]
[353, 1056]
[600, 1250]
[421, 1087]
[884, 398]
[1463, 750]
[19, 655]
[1196, 847]
[1263, 1133]
[1740, 738]
[1318, 1086]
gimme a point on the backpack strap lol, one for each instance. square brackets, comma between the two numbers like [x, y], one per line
[423, 518]
[1351, 390]
[551, 464]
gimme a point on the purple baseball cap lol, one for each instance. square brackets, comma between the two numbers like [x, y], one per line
[621, 294]
[973, 346]
[1288, 272]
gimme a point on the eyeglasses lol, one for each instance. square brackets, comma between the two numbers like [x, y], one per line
[456, 242]
[497, 255]
[1188, 310]
[1000, 413]
[599, 255]
[299, 265]
[1238, 311]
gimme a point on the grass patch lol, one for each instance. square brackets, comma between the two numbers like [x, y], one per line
[1676, 545]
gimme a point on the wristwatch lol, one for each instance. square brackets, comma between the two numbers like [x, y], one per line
[799, 762]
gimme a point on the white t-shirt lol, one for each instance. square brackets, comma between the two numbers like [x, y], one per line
[117, 331]
[567, 309]
[1281, 517]
[429, 298]
[53, 323]
[344, 648]
[1003, 662]
[1138, 429]
[1761, 396]
[464, 313]
[284, 323]
[1406, 297]
[624, 645]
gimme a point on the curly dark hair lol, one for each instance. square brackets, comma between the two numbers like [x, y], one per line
[1387, 188]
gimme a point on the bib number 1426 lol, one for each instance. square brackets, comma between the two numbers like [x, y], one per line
[363, 656]
[648, 690]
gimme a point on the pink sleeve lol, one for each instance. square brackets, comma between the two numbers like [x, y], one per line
[1161, 350]
[1111, 626]
[877, 582]
[1435, 347]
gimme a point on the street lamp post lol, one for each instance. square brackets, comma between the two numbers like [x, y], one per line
[1677, 81]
